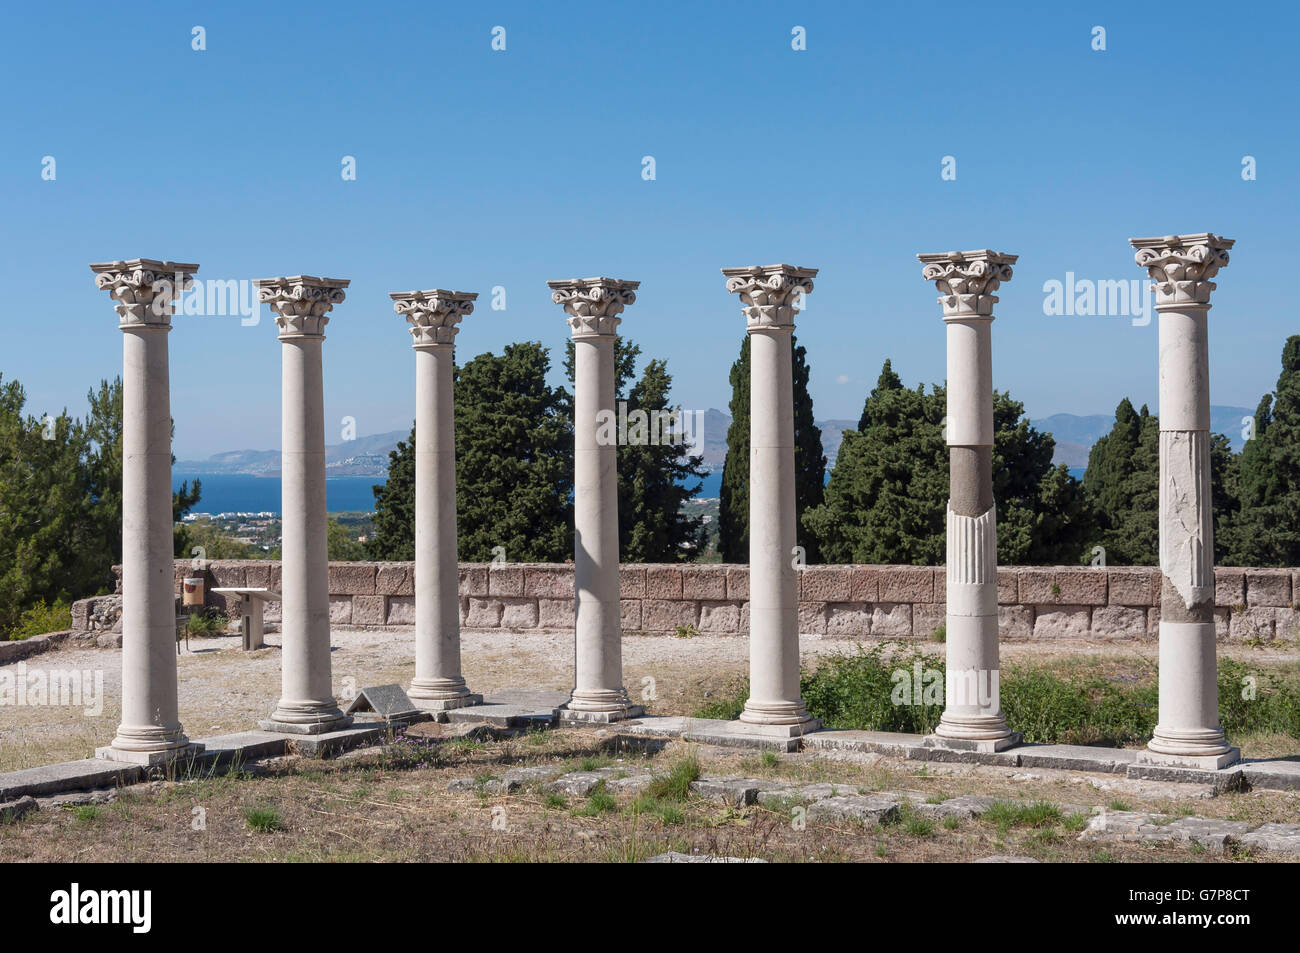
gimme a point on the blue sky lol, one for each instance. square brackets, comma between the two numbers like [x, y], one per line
[477, 168]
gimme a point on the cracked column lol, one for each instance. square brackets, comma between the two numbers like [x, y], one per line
[1188, 732]
[769, 295]
[593, 306]
[434, 315]
[972, 718]
[144, 292]
[301, 305]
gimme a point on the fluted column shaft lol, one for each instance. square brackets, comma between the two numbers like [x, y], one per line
[1188, 729]
[593, 306]
[307, 702]
[770, 296]
[145, 292]
[433, 316]
[972, 716]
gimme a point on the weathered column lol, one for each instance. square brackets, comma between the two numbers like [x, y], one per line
[770, 295]
[301, 305]
[1188, 732]
[434, 315]
[145, 292]
[594, 306]
[972, 718]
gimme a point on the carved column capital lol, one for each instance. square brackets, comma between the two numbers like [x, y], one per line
[967, 279]
[770, 295]
[144, 290]
[593, 304]
[1182, 265]
[433, 314]
[301, 303]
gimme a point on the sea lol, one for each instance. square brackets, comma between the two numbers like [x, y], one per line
[245, 493]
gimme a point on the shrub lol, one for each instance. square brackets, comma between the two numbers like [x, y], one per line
[41, 618]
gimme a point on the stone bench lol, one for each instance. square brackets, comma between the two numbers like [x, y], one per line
[251, 602]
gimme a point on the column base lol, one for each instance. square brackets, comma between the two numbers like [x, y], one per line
[1203, 762]
[305, 718]
[981, 745]
[579, 716]
[778, 715]
[446, 704]
[762, 729]
[150, 758]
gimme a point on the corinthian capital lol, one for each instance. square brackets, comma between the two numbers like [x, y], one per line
[1182, 265]
[967, 279]
[770, 295]
[433, 314]
[144, 289]
[301, 303]
[593, 304]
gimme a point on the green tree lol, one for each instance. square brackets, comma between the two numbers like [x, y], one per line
[654, 474]
[342, 545]
[514, 465]
[887, 497]
[809, 461]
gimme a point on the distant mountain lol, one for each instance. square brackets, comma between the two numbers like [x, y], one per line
[368, 456]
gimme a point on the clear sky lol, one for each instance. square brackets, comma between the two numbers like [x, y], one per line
[478, 168]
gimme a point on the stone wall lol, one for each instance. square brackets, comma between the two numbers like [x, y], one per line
[834, 601]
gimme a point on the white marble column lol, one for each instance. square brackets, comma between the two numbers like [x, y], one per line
[1188, 732]
[593, 306]
[770, 296]
[434, 315]
[144, 292]
[972, 718]
[301, 305]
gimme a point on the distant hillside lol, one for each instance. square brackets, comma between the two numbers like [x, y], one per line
[1075, 435]
[364, 456]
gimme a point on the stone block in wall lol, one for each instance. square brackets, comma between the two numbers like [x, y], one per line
[720, 618]
[631, 582]
[907, 584]
[1015, 623]
[629, 615]
[484, 613]
[369, 610]
[340, 610]
[548, 582]
[1286, 625]
[1035, 587]
[505, 581]
[518, 613]
[352, 579]
[663, 582]
[1268, 587]
[395, 579]
[826, 583]
[812, 618]
[738, 582]
[473, 580]
[848, 620]
[1222, 624]
[1119, 622]
[744, 619]
[401, 610]
[1153, 622]
[665, 615]
[704, 582]
[927, 617]
[272, 612]
[555, 613]
[1081, 587]
[890, 620]
[258, 575]
[1008, 586]
[1062, 622]
[1136, 586]
[225, 574]
[1255, 623]
[1229, 587]
[864, 584]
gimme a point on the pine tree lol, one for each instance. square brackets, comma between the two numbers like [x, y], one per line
[514, 465]
[809, 461]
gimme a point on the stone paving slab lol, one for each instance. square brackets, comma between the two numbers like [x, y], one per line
[1210, 833]
[676, 857]
[738, 792]
[581, 783]
[241, 747]
[510, 710]
[736, 734]
[1279, 838]
[68, 776]
[782, 795]
[1076, 758]
[518, 778]
[868, 809]
[336, 742]
[633, 784]
[1221, 779]
[897, 744]
[1280, 775]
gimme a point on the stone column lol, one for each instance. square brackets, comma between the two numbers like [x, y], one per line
[433, 315]
[972, 718]
[593, 306]
[145, 293]
[1188, 732]
[301, 305]
[770, 295]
